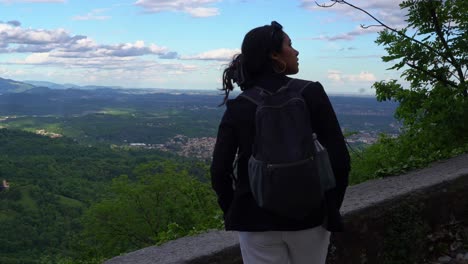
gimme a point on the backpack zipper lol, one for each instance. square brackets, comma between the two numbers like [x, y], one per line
[281, 165]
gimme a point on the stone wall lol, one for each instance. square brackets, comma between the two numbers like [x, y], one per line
[387, 221]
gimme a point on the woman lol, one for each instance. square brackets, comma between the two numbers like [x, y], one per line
[266, 58]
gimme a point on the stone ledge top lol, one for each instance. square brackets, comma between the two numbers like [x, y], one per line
[180, 250]
[376, 191]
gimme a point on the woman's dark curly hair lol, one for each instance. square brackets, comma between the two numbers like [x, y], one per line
[255, 57]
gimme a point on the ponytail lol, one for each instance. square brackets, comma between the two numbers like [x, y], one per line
[234, 73]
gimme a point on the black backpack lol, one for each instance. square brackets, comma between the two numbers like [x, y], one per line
[284, 171]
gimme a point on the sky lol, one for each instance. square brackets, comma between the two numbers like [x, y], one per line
[186, 44]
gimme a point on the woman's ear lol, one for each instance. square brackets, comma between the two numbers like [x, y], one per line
[274, 55]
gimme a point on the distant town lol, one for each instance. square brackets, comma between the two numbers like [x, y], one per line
[202, 148]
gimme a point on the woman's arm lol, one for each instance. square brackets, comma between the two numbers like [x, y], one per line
[325, 124]
[223, 158]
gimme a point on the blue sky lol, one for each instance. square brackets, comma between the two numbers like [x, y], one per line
[185, 43]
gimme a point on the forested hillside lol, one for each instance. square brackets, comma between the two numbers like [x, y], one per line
[53, 183]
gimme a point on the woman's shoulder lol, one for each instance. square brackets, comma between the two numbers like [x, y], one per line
[308, 84]
[238, 106]
[308, 88]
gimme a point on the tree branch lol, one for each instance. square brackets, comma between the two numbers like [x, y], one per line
[440, 35]
[433, 75]
[368, 26]
[450, 58]
[386, 26]
[326, 6]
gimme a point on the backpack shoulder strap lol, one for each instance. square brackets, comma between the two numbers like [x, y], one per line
[297, 85]
[254, 94]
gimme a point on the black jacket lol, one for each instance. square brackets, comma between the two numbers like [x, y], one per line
[235, 136]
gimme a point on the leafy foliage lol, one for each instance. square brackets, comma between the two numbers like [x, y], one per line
[434, 63]
[164, 203]
[53, 182]
[394, 156]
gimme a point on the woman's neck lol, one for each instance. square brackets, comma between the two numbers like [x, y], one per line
[271, 81]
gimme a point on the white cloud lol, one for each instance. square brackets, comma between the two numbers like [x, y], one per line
[58, 56]
[11, 73]
[203, 12]
[36, 58]
[196, 8]
[131, 66]
[358, 31]
[15, 34]
[334, 75]
[93, 15]
[132, 74]
[338, 76]
[129, 49]
[59, 43]
[217, 55]
[362, 76]
[84, 44]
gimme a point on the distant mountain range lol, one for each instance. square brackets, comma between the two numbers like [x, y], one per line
[64, 86]
[38, 97]
[12, 86]
[47, 98]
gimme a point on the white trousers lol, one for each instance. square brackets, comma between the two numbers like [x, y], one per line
[309, 246]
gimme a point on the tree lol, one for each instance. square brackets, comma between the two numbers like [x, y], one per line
[433, 61]
[164, 203]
